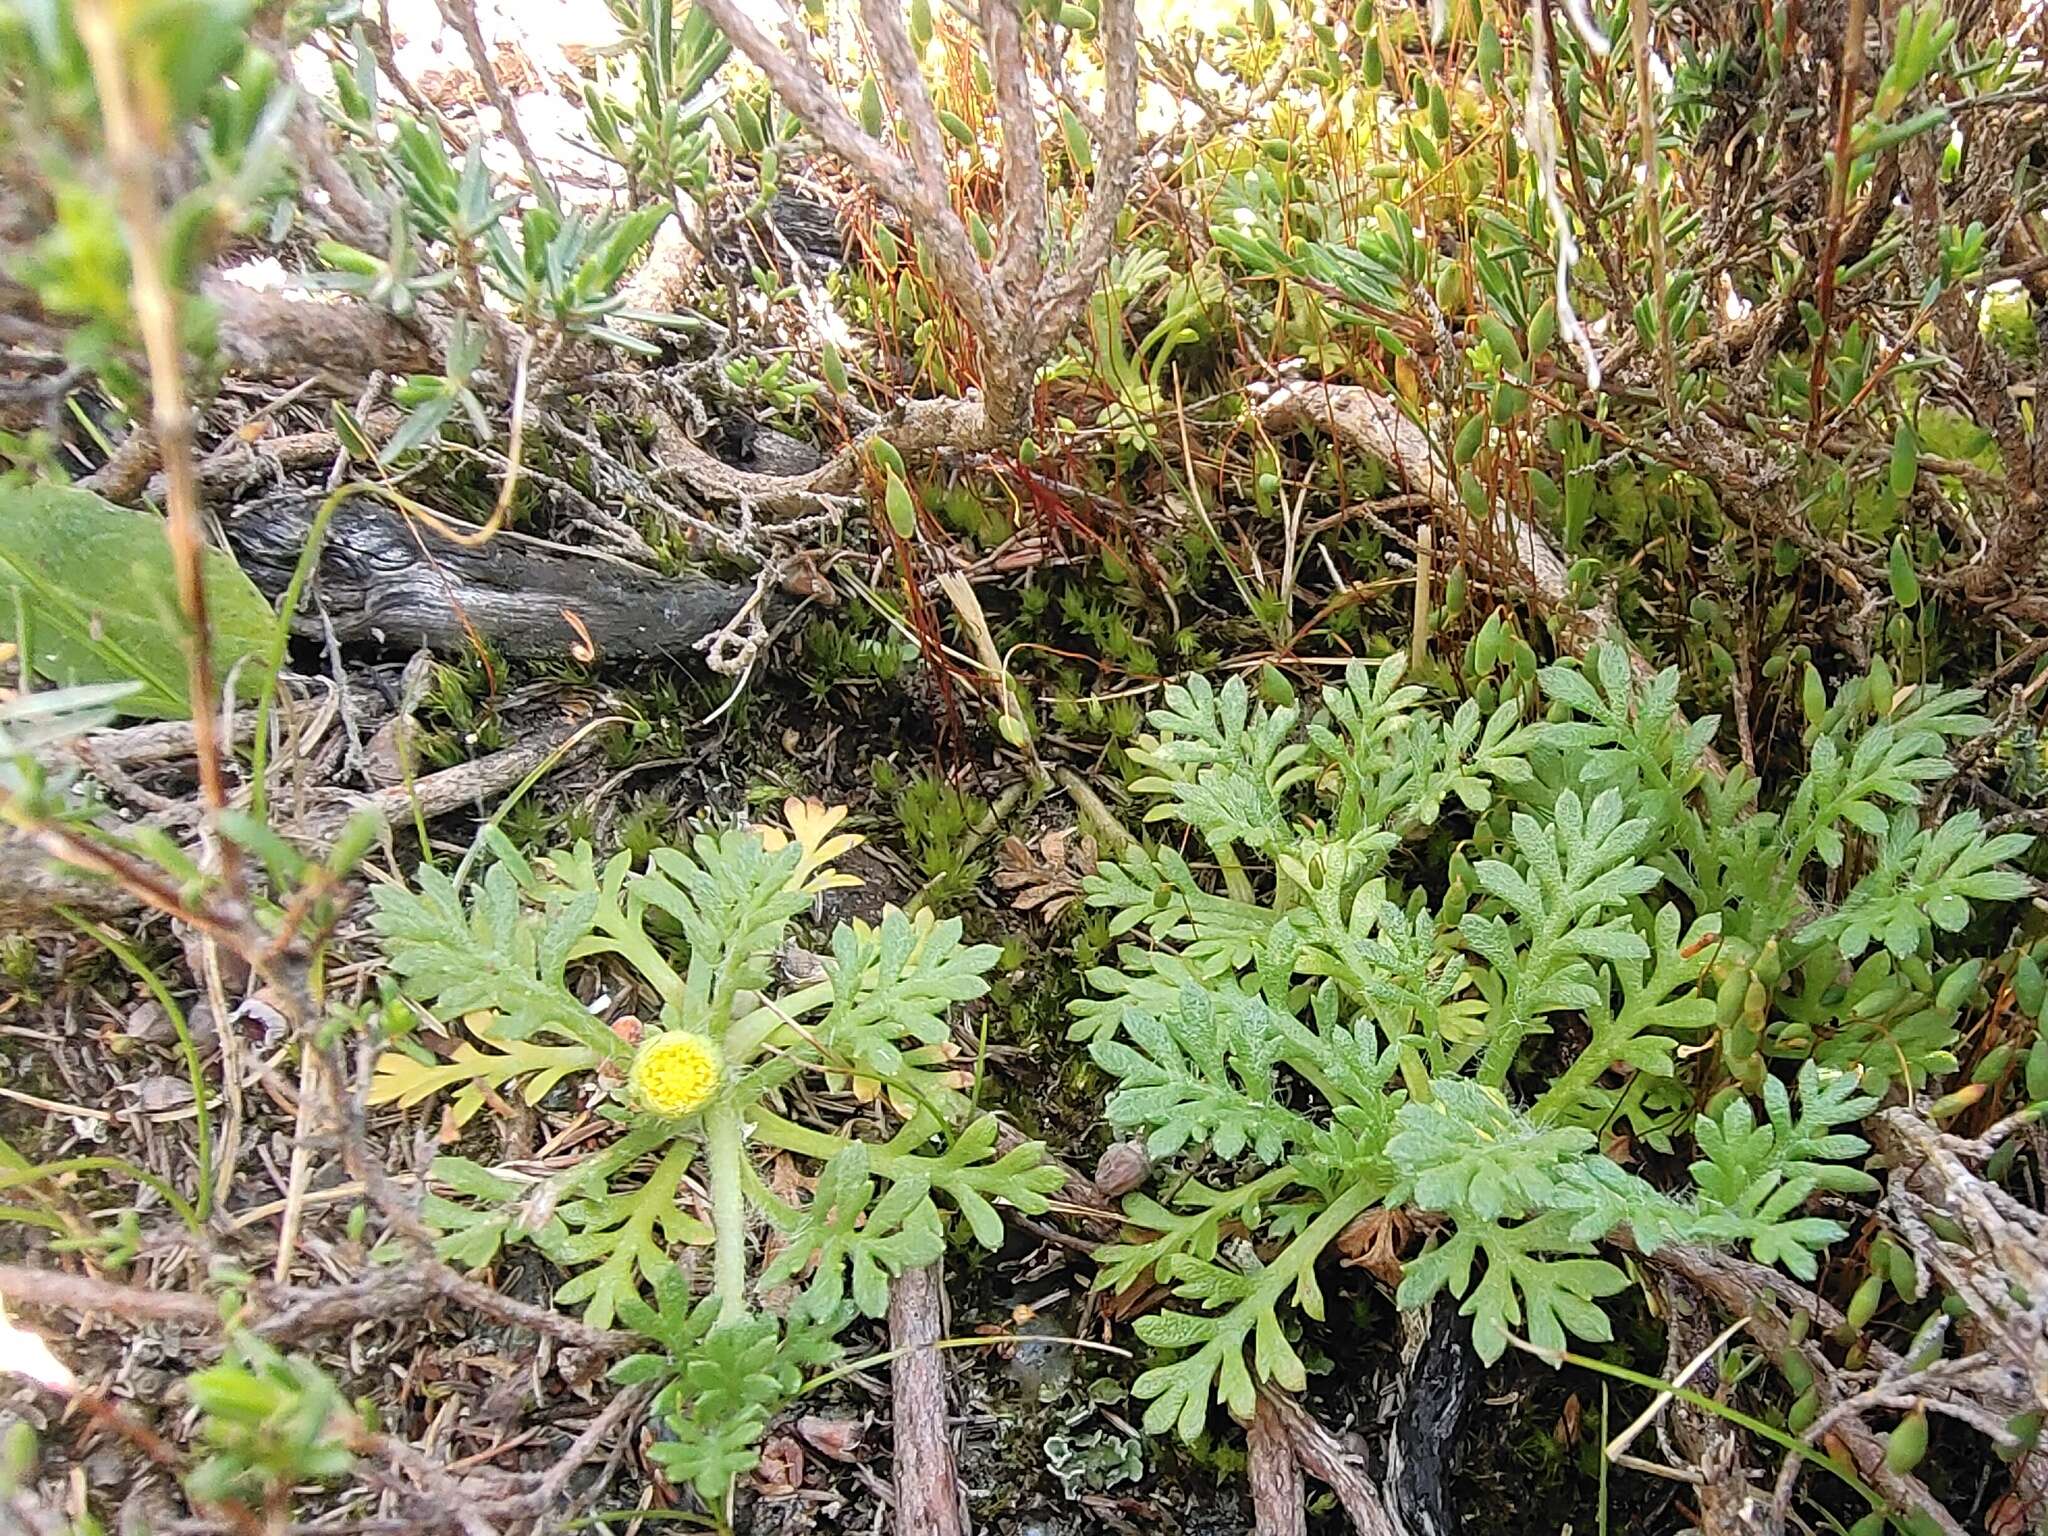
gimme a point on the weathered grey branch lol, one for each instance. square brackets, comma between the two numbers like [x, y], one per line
[1742, 1288]
[933, 216]
[1729, 1503]
[383, 578]
[1020, 258]
[1116, 167]
[922, 429]
[31, 886]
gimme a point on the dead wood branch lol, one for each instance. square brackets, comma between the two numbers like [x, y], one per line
[921, 430]
[1439, 1377]
[1512, 553]
[447, 791]
[286, 336]
[461, 15]
[1704, 1441]
[32, 886]
[1999, 1268]
[1772, 1301]
[927, 1484]
[1324, 1457]
[280, 335]
[1278, 1503]
[1508, 550]
[284, 1313]
[385, 578]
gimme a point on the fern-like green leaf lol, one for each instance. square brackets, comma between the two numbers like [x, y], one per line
[494, 955]
[626, 1240]
[895, 982]
[853, 1243]
[1203, 1074]
[1752, 1176]
[1222, 765]
[1520, 1287]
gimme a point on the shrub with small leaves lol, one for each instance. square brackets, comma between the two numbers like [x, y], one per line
[270, 1421]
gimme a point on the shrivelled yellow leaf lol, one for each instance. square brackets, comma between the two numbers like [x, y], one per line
[535, 1069]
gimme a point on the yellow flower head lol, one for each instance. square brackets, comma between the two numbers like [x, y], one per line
[676, 1073]
[811, 826]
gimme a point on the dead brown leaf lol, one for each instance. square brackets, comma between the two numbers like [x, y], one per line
[841, 1439]
[1375, 1242]
[780, 1474]
[2010, 1516]
[1046, 879]
[1570, 1422]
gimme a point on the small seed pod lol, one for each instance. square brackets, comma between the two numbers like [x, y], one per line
[1122, 1168]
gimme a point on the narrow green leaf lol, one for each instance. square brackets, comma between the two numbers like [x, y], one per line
[1905, 580]
[1905, 460]
[901, 508]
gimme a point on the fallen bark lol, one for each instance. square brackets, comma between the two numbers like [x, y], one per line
[385, 579]
[927, 1485]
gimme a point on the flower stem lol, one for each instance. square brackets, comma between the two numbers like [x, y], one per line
[724, 1153]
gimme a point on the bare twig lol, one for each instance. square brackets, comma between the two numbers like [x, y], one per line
[156, 312]
[1018, 312]
[461, 15]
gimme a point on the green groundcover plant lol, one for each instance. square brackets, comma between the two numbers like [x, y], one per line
[703, 1094]
[1452, 954]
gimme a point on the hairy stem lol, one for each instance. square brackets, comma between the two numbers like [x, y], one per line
[725, 1155]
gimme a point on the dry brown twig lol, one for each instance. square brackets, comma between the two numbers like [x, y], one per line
[1326, 1459]
[1279, 1502]
[156, 312]
[1773, 1302]
[461, 15]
